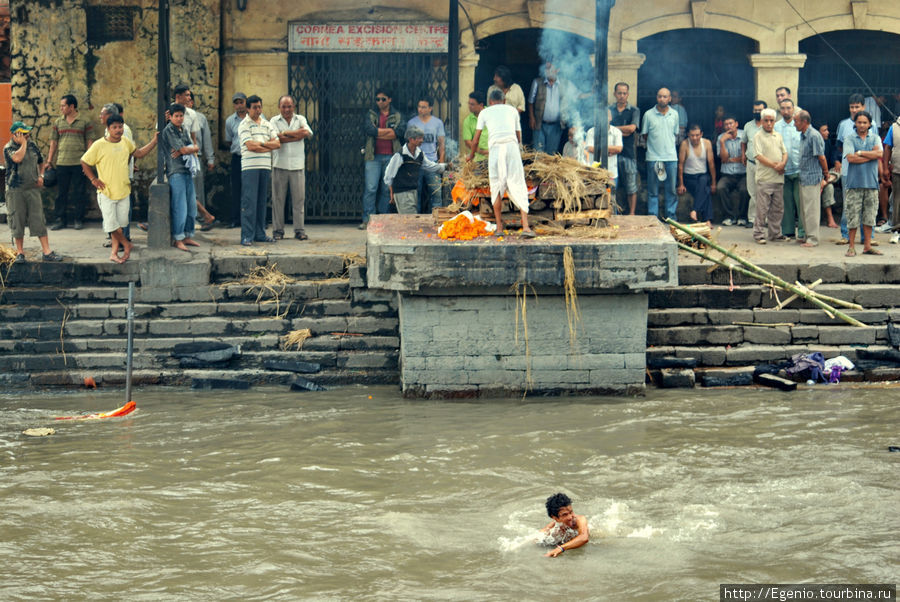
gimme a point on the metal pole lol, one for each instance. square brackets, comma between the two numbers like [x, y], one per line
[130, 352]
[453, 69]
[162, 83]
[601, 84]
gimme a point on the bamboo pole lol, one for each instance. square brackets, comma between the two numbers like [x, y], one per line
[761, 274]
[792, 297]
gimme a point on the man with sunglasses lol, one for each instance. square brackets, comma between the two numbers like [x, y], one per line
[384, 129]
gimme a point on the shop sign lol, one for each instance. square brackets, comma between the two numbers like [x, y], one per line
[366, 36]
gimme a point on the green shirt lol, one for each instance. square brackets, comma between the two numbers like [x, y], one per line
[73, 139]
[468, 132]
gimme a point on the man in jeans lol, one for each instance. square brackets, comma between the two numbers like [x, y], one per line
[627, 118]
[660, 126]
[181, 161]
[384, 128]
[239, 100]
[71, 137]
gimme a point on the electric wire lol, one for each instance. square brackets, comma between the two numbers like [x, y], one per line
[840, 56]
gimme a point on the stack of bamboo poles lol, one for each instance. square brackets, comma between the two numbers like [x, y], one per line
[747, 268]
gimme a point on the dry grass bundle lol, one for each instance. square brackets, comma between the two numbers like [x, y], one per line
[573, 316]
[474, 174]
[569, 180]
[295, 338]
[593, 232]
[7, 257]
[266, 280]
[253, 252]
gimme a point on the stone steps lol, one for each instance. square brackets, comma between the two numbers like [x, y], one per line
[52, 335]
[116, 378]
[721, 325]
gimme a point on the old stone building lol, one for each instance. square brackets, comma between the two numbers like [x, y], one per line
[331, 55]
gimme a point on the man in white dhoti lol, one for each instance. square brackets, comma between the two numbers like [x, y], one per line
[504, 160]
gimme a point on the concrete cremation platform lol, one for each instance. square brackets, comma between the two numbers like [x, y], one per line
[488, 316]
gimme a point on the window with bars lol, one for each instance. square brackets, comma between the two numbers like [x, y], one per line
[110, 24]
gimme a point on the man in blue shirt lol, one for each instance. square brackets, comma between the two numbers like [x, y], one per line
[845, 129]
[660, 127]
[813, 175]
[433, 147]
[731, 191]
[862, 151]
[791, 138]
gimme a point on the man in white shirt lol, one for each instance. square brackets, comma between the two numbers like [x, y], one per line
[505, 168]
[288, 168]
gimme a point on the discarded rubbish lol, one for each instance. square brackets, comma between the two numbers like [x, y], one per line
[39, 432]
[303, 384]
[126, 409]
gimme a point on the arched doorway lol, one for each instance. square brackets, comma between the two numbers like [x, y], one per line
[709, 67]
[826, 82]
[520, 50]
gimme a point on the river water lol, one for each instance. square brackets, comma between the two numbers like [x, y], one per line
[356, 494]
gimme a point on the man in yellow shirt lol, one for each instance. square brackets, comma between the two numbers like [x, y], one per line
[110, 156]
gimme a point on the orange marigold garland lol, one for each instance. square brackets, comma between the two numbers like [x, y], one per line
[465, 227]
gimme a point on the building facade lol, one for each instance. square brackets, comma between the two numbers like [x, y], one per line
[332, 55]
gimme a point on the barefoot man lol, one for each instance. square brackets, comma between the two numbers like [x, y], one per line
[110, 156]
[504, 160]
[567, 530]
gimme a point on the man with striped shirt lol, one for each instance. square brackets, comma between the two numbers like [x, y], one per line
[72, 135]
[258, 140]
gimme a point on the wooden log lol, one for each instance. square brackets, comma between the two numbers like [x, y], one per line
[591, 214]
[776, 382]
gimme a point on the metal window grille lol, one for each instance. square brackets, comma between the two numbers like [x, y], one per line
[334, 91]
[110, 24]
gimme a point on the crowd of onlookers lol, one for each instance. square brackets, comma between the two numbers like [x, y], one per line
[778, 173]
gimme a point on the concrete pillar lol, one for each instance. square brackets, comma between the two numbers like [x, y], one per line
[775, 70]
[467, 65]
[623, 67]
[159, 220]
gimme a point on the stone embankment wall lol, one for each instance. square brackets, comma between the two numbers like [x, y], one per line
[725, 327]
[61, 323]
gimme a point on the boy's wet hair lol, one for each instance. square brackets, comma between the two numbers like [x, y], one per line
[555, 502]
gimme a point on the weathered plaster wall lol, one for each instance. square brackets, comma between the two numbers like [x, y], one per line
[51, 57]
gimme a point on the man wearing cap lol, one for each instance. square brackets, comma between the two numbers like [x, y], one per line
[239, 100]
[25, 177]
[72, 135]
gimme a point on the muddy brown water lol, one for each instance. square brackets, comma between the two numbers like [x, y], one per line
[338, 496]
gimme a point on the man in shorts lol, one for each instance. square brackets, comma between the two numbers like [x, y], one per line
[862, 151]
[567, 530]
[110, 156]
[24, 180]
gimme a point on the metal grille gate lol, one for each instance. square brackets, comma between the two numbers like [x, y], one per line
[334, 91]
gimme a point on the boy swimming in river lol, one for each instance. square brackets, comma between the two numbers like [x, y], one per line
[567, 530]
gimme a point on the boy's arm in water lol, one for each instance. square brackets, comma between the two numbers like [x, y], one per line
[581, 525]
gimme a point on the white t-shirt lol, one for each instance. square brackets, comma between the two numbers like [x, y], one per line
[291, 155]
[613, 139]
[502, 123]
